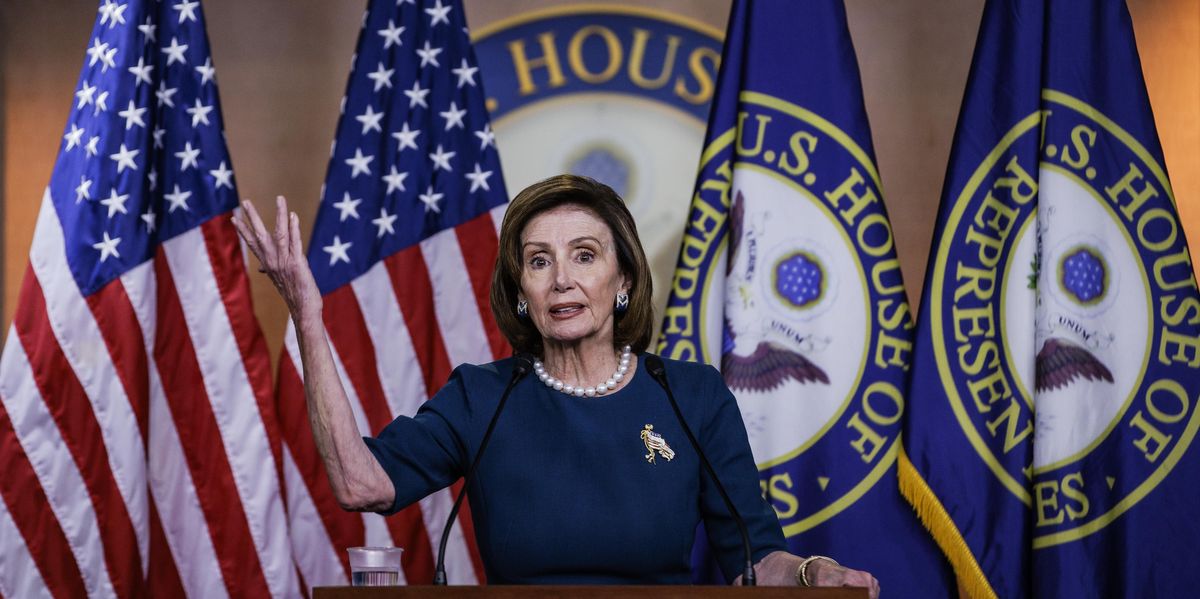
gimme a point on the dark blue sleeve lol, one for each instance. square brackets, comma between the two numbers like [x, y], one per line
[723, 437]
[426, 452]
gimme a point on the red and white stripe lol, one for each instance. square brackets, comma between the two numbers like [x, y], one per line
[138, 432]
[395, 332]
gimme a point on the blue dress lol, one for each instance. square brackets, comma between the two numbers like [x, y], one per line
[565, 493]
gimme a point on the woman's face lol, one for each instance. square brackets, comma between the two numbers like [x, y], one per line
[570, 275]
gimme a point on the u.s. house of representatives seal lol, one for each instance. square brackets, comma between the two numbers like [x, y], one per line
[617, 93]
[812, 332]
[1058, 323]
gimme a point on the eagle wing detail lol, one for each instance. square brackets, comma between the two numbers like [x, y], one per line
[768, 367]
[1061, 362]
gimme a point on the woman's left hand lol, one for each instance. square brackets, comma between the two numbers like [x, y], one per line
[824, 573]
[780, 568]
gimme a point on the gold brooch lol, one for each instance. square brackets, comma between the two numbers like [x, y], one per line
[655, 442]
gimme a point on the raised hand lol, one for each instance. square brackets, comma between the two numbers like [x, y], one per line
[281, 256]
[358, 481]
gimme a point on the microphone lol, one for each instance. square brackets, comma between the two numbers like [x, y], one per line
[654, 365]
[522, 364]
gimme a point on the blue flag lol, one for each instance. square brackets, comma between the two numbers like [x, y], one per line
[788, 281]
[1057, 366]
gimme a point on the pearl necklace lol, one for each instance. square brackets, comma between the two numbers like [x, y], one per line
[581, 391]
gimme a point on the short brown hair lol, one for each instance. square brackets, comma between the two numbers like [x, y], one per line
[633, 328]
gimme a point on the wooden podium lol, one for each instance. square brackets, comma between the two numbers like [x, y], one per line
[588, 592]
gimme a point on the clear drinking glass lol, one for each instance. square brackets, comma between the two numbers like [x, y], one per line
[374, 566]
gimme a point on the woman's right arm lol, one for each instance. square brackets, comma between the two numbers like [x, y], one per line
[359, 482]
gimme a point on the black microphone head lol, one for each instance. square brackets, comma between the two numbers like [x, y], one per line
[522, 363]
[654, 365]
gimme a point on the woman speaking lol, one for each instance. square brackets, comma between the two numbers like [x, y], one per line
[588, 477]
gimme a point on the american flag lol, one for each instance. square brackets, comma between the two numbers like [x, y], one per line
[137, 432]
[402, 250]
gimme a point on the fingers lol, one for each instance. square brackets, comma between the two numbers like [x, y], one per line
[858, 578]
[850, 577]
[281, 254]
[283, 245]
[873, 588]
[258, 232]
[255, 223]
[863, 579]
[245, 228]
[272, 250]
[294, 226]
[240, 226]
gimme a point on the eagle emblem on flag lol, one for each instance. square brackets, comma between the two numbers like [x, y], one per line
[770, 364]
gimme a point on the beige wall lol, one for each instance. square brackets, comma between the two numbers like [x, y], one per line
[282, 67]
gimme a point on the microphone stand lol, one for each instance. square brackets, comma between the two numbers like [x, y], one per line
[654, 365]
[521, 367]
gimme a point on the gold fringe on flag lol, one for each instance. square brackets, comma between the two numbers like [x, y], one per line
[933, 515]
